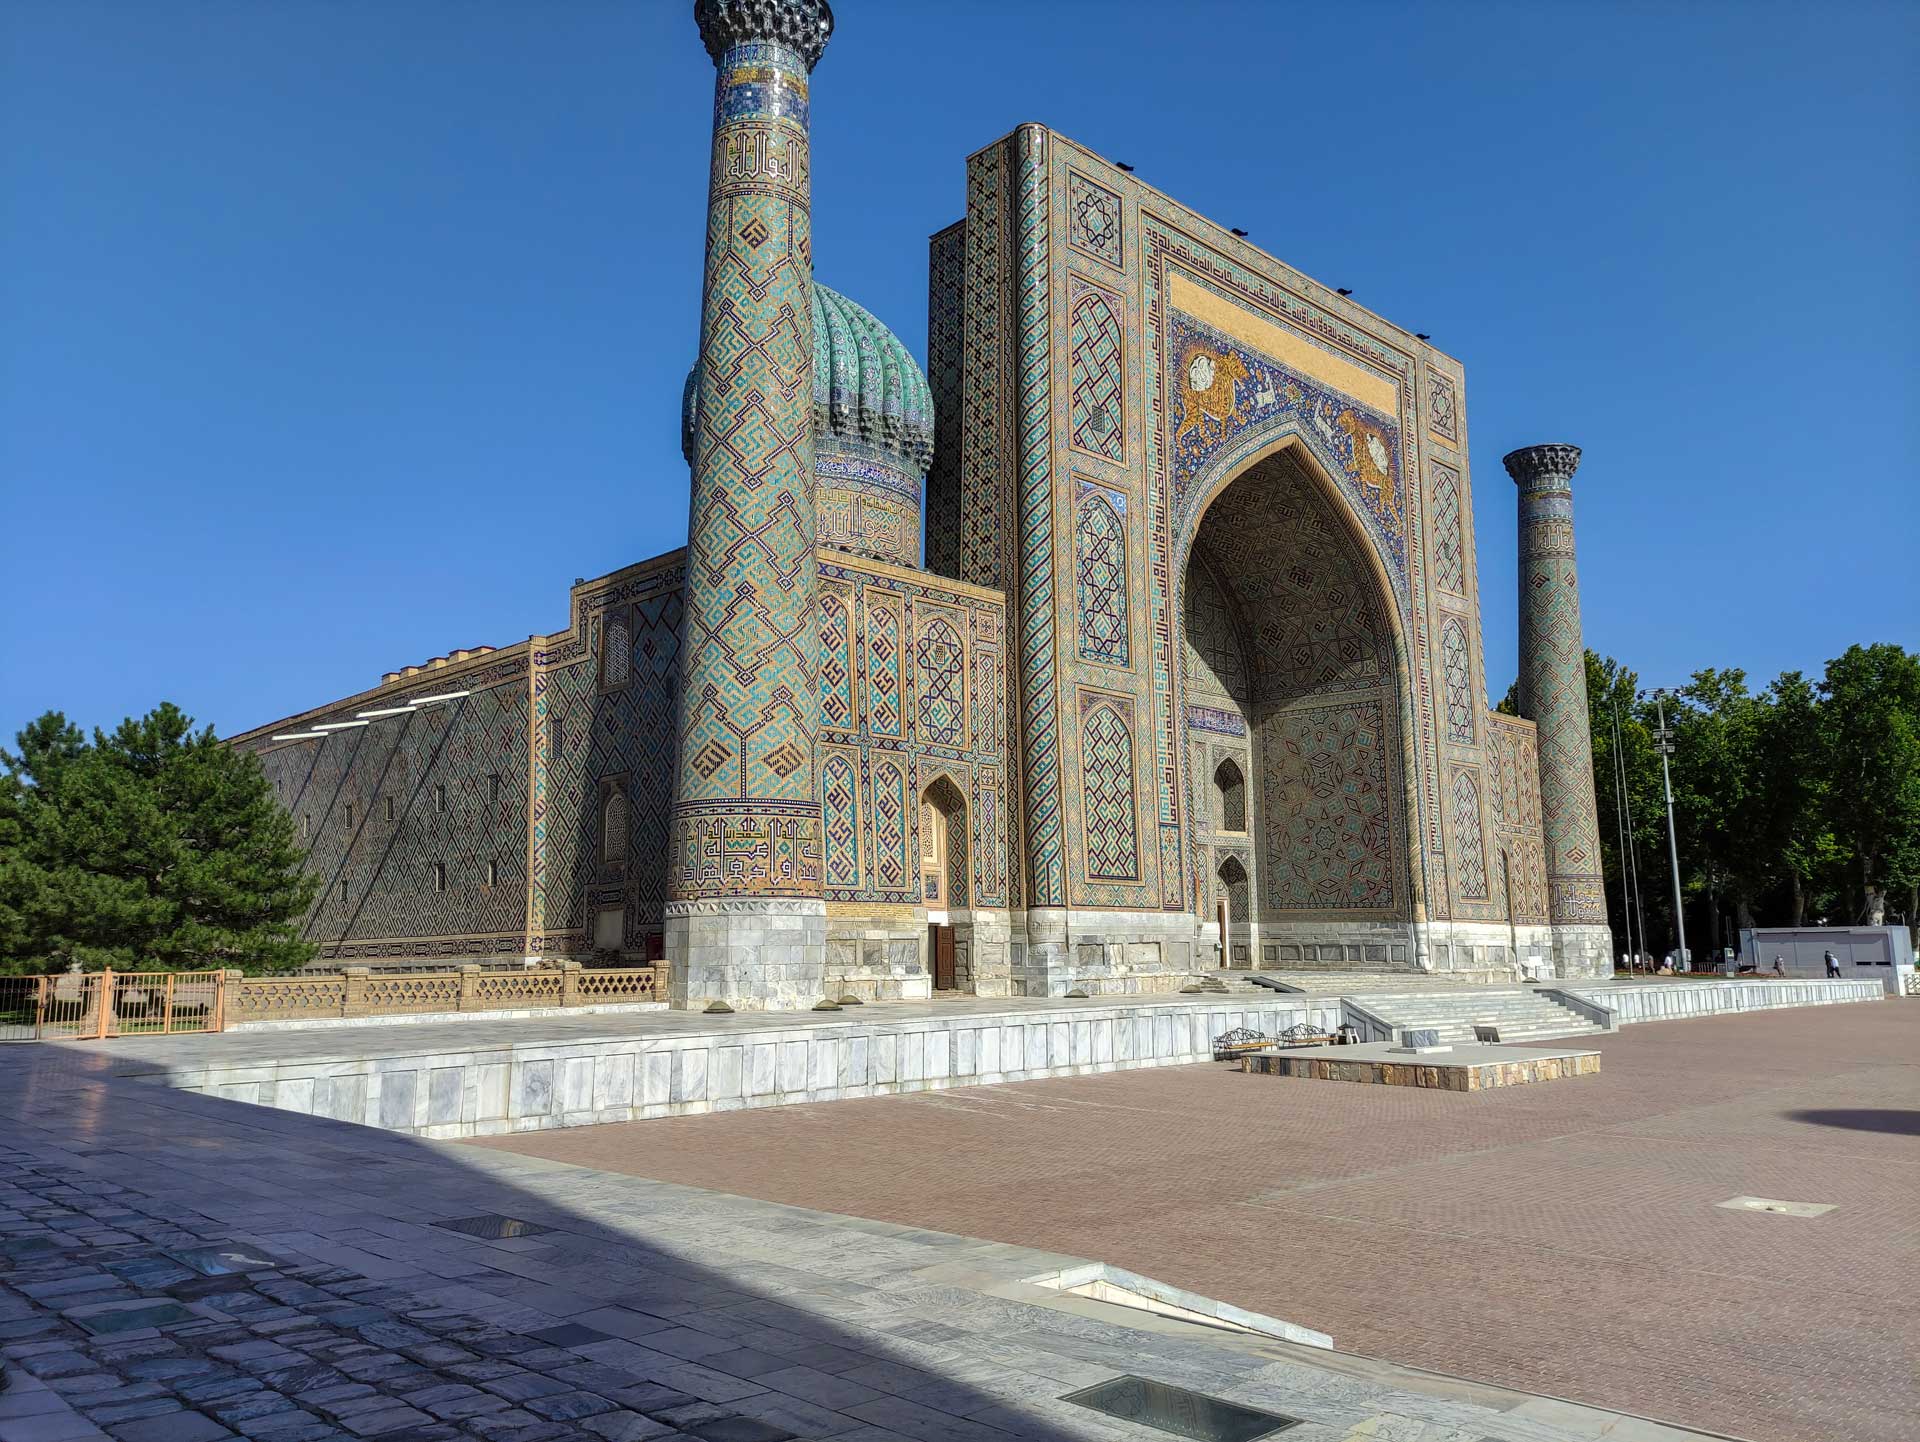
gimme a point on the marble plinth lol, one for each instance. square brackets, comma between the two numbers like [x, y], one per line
[1463, 1069]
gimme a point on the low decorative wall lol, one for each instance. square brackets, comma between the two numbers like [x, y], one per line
[358, 994]
[534, 1085]
[1679, 1000]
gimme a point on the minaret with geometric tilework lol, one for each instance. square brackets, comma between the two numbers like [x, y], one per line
[1553, 695]
[746, 923]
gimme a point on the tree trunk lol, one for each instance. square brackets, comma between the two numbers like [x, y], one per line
[1913, 912]
[1743, 912]
[1873, 897]
[1799, 899]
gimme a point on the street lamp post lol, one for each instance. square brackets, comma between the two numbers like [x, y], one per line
[1663, 740]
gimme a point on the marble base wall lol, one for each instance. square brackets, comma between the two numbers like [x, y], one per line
[536, 1085]
[1337, 946]
[1582, 951]
[1058, 952]
[750, 955]
[879, 957]
[1683, 1001]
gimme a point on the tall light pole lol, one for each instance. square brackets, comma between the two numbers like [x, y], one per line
[1663, 740]
[1623, 815]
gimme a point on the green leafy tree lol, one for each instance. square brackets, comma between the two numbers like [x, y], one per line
[1793, 832]
[1721, 790]
[153, 848]
[1871, 728]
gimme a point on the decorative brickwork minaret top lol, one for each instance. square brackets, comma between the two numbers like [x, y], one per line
[746, 924]
[1553, 695]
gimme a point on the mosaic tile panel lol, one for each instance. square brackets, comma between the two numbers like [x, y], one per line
[1449, 564]
[1112, 827]
[1327, 775]
[1456, 666]
[840, 816]
[836, 660]
[886, 655]
[1096, 375]
[1096, 224]
[1100, 545]
[956, 673]
[939, 673]
[1470, 853]
[1039, 713]
[1513, 792]
[1222, 391]
[1443, 407]
[946, 365]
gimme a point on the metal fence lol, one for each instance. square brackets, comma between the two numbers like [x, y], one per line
[109, 1003]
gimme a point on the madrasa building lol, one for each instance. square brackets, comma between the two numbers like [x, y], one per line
[1190, 675]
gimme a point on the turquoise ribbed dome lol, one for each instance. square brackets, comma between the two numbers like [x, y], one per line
[868, 391]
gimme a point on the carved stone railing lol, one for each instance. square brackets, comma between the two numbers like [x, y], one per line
[359, 992]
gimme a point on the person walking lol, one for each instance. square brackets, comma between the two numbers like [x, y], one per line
[1833, 963]
[1778, 969]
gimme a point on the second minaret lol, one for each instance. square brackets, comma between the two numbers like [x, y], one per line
[1553, 695]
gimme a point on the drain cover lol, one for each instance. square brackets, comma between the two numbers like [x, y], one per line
[1768, 1204]
[224, 1259]
[1176, 1410]
[494, 1227]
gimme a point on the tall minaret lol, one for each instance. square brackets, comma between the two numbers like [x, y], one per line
[1553, 695]
[746, 924]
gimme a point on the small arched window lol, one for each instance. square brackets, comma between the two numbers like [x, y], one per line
[1232, 787]
[613, 827]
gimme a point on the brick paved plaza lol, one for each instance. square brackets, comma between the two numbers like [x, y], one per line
[1560, 1238]
[184, 1267]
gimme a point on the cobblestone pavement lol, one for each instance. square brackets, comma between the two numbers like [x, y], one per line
[181, 1268]
[1563, 1237]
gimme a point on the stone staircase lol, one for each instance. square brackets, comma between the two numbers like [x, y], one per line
[1521, 1016]
[1232, 983]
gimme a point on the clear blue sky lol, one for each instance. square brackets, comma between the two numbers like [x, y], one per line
[334, 336]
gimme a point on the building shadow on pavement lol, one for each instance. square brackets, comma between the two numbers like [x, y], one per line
[569, 1303]
[1900, 1121]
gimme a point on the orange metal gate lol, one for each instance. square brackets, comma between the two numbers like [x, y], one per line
[78, 1005]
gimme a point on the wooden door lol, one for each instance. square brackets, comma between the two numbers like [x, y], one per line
[940, 939]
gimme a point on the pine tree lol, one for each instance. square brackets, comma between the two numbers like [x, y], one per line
[154, 848]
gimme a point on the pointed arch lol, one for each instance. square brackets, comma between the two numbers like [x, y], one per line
[944, 850]
[1230, 784]
[613, 826]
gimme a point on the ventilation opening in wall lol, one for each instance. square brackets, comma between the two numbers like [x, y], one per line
[1175, 1410]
